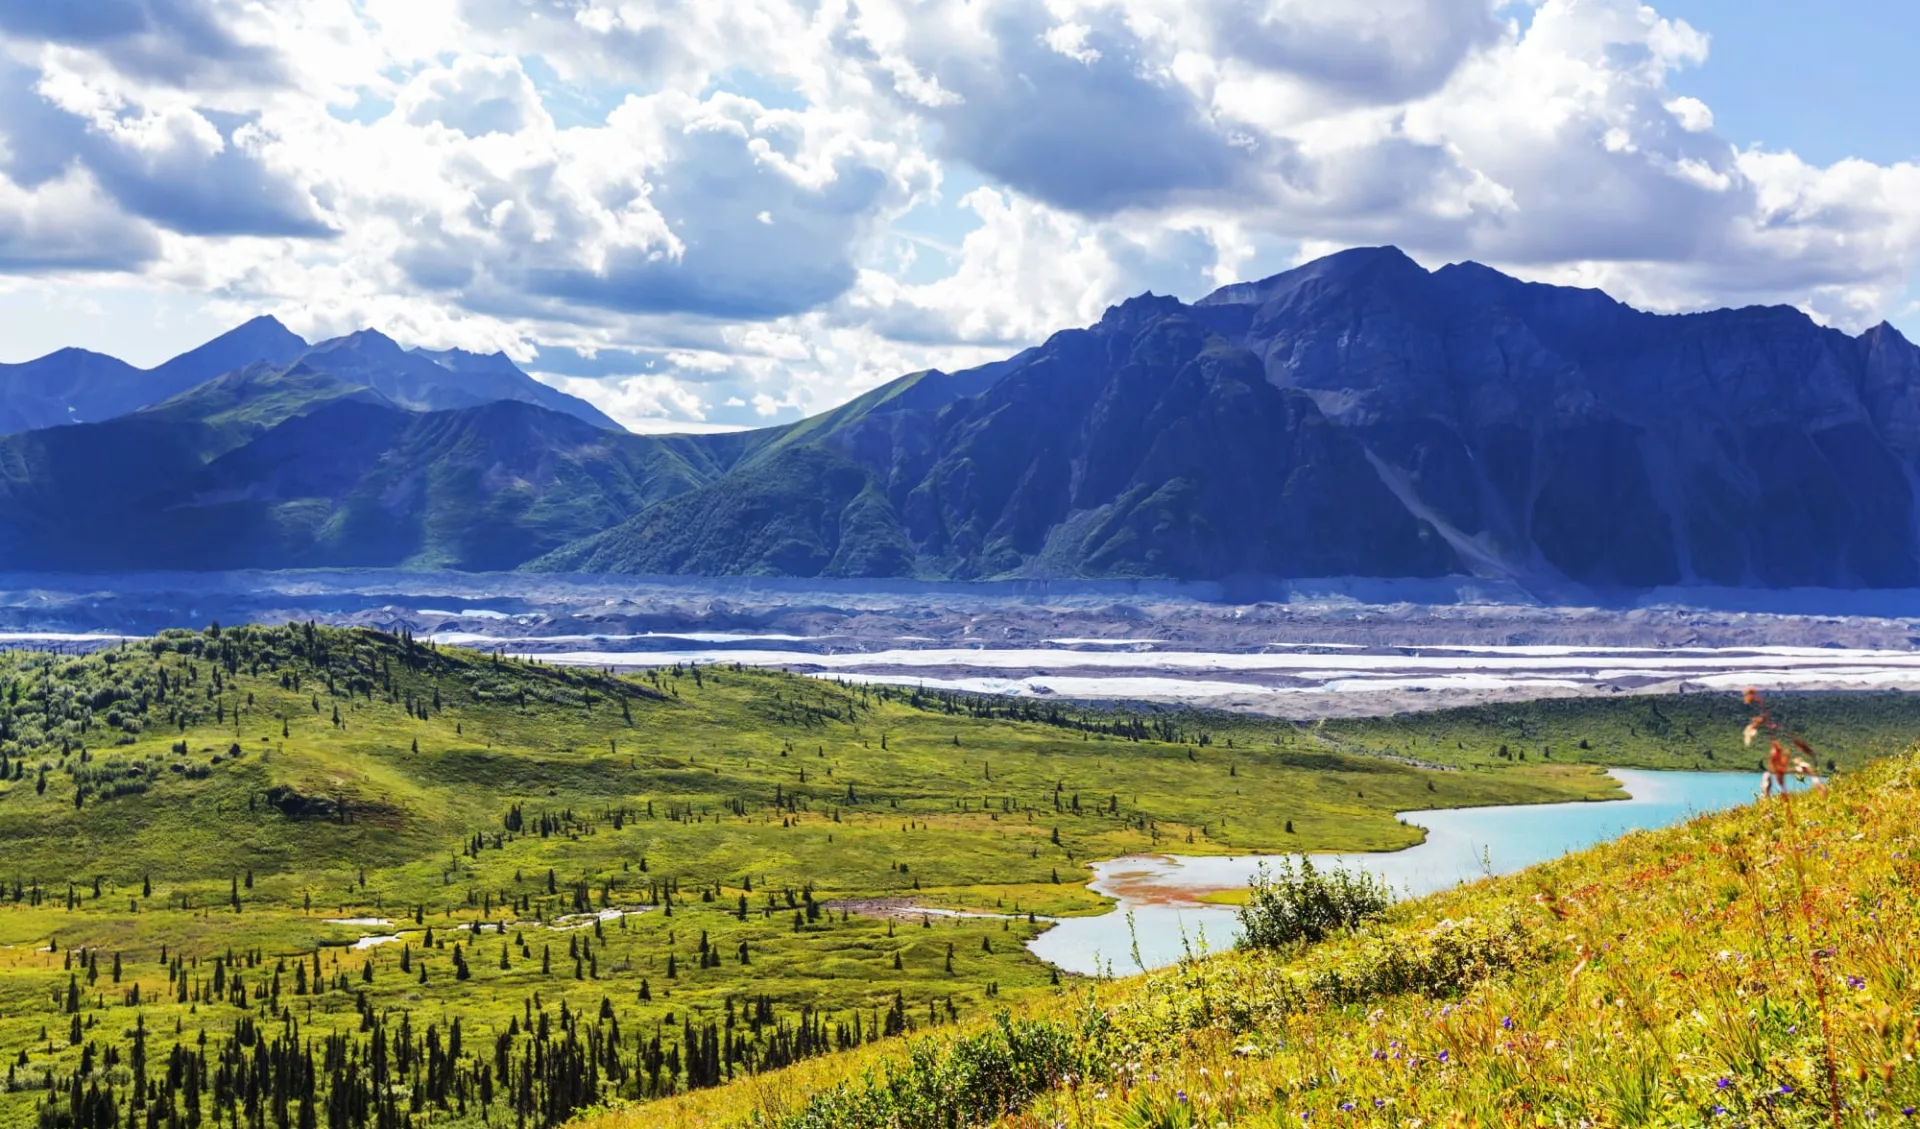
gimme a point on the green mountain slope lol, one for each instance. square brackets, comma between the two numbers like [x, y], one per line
[259, 396]
[276, 468]
[1146, 446]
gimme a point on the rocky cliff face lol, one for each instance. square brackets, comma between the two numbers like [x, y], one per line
[1359, 415]
[1554, 433]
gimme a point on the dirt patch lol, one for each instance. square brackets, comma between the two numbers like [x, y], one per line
[896, 909]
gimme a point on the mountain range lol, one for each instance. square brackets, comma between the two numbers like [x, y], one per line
[79, 386]
[1358, 416]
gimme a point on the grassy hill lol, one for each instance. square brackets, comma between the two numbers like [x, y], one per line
[1753, 968]
[302, 873]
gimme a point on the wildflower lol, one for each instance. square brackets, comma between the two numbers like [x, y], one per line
[1506, 1023]
[1856, 982]
[1724, 1084]
[1785, 1088]
[1443, 1056]
[1345, 1106]
[1719, 1111]
[1180, 1096]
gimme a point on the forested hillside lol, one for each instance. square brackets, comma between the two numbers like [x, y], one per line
[307, 874]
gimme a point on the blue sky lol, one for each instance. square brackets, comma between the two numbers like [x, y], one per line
[1828, 80]
[706, 215]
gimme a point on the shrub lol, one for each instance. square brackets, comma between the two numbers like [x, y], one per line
[1293, 903]
[970, 1080]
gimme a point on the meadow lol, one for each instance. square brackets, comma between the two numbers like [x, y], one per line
[306, 875]
[1748, 968]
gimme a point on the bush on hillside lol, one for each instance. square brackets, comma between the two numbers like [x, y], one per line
[1294, 903]
[974, 1079]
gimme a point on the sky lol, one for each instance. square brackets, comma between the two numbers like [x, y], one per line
[705, 215]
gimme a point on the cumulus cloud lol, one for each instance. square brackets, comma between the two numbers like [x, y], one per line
[1078, 115]
[1028, 270]
[725, 214]
[716, 207]
[474, 96]
[67, 223]
[643, 403]
[172, 41]
[197, 172]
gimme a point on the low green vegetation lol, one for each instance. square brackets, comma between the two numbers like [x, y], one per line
[1748, 968]
[299, 875]
[1288, 903]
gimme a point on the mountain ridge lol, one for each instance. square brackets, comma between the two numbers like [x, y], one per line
[74, 385]
[1357, 416]
[1546, 434]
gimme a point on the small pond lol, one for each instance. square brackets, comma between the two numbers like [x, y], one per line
[1462, 844]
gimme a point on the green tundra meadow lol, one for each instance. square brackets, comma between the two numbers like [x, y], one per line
[299, 875]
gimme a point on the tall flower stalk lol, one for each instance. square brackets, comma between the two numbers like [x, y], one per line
[1795, 844]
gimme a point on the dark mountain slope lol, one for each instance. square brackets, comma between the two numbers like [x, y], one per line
[1139, 447]
[257, 397]
[77, 386]
[347, 479]
[1359, 415]
[494, 376]
[59, 388]
[480, 488]
[425, 382]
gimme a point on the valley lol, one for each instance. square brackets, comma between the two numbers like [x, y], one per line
[1752, 967]
[536, 888]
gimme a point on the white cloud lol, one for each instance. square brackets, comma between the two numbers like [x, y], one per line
[711, 191]
[475, 96]
[643, 403]
[68, 223]
[1693, 115]
[1070, 40]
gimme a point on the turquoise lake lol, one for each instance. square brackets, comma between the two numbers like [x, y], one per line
[1462, 844]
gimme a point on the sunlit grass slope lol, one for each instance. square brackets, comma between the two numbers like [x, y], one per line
[1755, 968]
[193, 827]
[587, 888]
